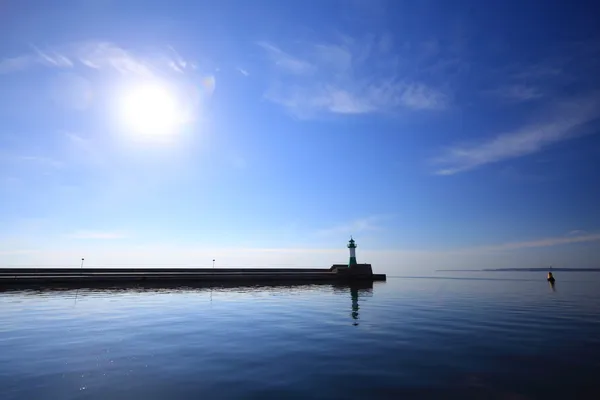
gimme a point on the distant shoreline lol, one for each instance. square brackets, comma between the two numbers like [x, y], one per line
[521, 270]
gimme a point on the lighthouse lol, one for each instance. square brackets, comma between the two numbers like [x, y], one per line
[352, 247]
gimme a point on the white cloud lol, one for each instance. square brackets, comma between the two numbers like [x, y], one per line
[343, 102]
[17, 252]
[100, 235]
[354, 77]
[44, 161]
[421, 97]
[334, 57]
[101, 55]
[560, 123]
[536, 71]
[517, 93]
[357, 226]
[304, 102]
[84, 150]
[75, 138]
[53, 59]
[15, 64]
[41, 161]
[243, 71]
[98, 55]
[176, 62]
[546, 242]
[286, 62]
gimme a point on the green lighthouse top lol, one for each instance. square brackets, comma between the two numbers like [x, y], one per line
[351, 244]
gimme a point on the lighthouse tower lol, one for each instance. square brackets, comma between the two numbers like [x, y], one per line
[352, 247]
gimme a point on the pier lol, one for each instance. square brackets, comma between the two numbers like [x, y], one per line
[351, 272]
[37, 276]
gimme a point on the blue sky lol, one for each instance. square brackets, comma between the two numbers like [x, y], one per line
[438, 133]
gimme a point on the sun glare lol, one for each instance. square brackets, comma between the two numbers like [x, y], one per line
[151, 109]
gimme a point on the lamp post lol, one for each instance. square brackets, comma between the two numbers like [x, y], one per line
[82, 263]
[213, 264]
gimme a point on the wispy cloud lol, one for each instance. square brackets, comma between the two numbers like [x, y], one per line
[287, 62]
[561, 123]
[349, 77]
[36, 57]
[41, 161]
[567, 65]
[546, 242]
[517, 93]
[357, 226]
[84, 149]
[99, 235]
[538, 71]
[526, 253]
[176, 62]
[53, 59]
[421, 97]
[576, 232]
[44, 161]
[17, 252]
[243, 72]
[98, 55]
[75, 138]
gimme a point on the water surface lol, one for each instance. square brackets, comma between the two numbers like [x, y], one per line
[492, 335]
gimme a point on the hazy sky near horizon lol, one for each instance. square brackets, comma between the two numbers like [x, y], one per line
[439, 134]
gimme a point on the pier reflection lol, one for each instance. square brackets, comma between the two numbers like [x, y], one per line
[357, 289]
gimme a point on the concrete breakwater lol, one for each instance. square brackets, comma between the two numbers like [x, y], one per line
[41, 276]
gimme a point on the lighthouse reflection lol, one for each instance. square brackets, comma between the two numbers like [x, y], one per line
[358, 291]
[355, 306]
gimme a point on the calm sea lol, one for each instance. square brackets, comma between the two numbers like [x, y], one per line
[489, 336]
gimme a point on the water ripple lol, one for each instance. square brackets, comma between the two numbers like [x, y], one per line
[415, 337]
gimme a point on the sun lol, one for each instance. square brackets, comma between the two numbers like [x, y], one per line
[151, 109]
